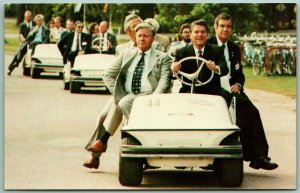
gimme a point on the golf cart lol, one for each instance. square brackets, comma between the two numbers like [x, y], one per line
[46, 58]
[176, 131]
[87, 72]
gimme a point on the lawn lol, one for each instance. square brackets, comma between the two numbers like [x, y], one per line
[282, 84]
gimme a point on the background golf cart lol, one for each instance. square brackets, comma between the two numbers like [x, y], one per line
[46, 58]
[87, 72]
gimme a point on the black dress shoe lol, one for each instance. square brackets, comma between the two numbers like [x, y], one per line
[9, 73]
[263, 163]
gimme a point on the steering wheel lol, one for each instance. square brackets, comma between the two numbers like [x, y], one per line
[194, 76]
[99, 47]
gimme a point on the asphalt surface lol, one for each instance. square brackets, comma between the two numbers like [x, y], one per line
[46, 129]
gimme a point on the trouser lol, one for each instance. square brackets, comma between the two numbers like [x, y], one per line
[109, 121]
[18, 57]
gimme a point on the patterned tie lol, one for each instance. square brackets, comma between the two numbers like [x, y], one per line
[77, 43]
[137, 76]
[199, 55]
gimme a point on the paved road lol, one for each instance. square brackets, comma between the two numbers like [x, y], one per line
[46, 129]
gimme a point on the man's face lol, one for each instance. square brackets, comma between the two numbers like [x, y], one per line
[144, 39]
[103, 27]
[79, 28]
[39, 21]
[199, 35]
[186, 34]
[223, 30]
[28, 17]
[70, 25]
[130, 31]
[57, 23]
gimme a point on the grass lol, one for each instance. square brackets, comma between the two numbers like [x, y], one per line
[282, 84]
[10, 26]
[11, 45]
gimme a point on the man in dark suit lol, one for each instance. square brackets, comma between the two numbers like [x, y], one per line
[231, 51]
[74, 43]
[108, 42]
[25, 28]
[255, 146]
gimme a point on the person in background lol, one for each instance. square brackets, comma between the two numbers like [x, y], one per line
[185, 31]
[107, 41]
[163, 40]
[57, 30]
[25, 28]
[74, 43]
[93, 28]
[50, 24]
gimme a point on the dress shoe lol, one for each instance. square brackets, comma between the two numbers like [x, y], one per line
[9, 73]
[97, 147]
[263, 163]
[92, 163]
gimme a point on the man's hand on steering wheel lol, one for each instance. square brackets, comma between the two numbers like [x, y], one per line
[212, 66]
[175, 67]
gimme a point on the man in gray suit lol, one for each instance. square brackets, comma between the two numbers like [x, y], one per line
[138, 71]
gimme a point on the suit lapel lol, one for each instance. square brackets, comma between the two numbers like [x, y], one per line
[129, 57]
[152, 61]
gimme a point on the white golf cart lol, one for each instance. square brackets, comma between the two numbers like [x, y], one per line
[46, 58]
[87, 72]
[176, 131]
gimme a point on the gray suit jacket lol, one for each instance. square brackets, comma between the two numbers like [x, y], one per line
[159, 74]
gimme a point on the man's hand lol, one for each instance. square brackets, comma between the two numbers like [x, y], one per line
[212, 66]
[109, 44]
[175, 67]
[235, 88]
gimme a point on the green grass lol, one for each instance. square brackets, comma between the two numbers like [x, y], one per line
[10, 26]
[11, 45]
[282, 84]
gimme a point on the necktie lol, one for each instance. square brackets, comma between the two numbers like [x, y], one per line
[77, 43]
[223, 46]
[102, 41]
[199, 55]
[137, 76]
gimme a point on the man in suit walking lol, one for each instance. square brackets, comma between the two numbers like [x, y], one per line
[25, 28]
[255, 147]
[108, 41]
[136, 72]
[74, 43]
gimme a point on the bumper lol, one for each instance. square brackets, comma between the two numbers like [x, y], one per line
[138, 151]
[49, 67]
[89, 81]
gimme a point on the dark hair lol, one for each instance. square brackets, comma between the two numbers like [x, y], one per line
[199, 22]
[186, 25]
[91, 27]
[224, 16]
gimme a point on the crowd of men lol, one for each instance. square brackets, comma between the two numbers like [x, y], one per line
[144, 66]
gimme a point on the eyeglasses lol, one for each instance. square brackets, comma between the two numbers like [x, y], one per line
[79, 26]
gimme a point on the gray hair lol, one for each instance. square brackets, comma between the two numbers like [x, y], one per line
[129, 18]
[153, 23]
[145, 25]
[27, 13]
[39, 16]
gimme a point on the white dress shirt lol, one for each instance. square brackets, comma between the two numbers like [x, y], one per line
[74, 44]
[226, 54]
[145, 84]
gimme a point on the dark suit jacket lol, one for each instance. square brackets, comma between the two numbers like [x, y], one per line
[65, 45]
[236, 73]
[24, 30]
[113, 40]
[45, 35]
[211, 52]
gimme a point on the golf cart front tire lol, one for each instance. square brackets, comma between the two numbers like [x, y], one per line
[130, 169]
[75, 87]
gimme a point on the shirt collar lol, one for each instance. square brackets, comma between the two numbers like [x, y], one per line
[220, 43]
[197, 50]
[147, 53]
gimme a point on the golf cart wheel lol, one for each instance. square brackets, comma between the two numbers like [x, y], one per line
[26, 71]
[75, 87]
[231, 172]
[66, 85]
[35, 73]
[130, 169]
